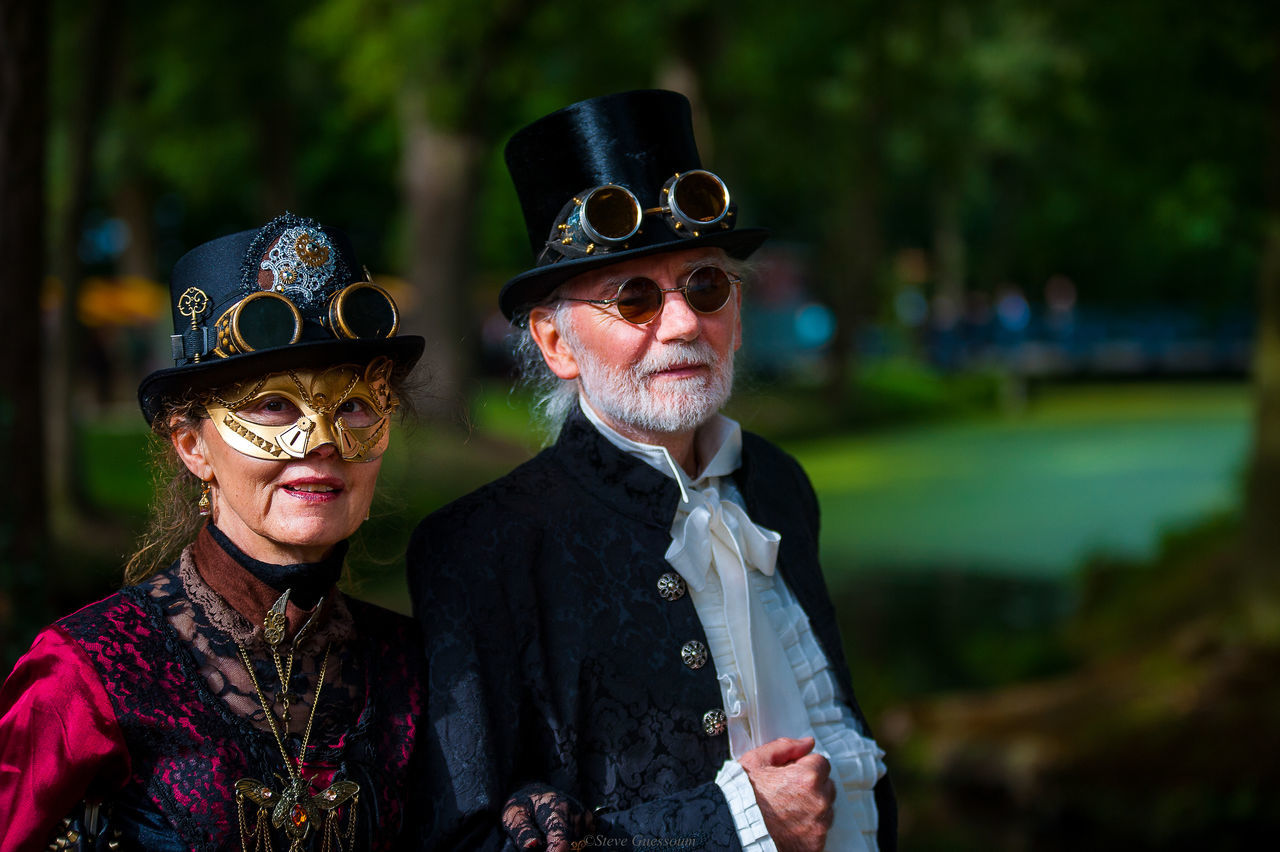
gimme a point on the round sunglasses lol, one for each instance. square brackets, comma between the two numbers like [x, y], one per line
[706, 290]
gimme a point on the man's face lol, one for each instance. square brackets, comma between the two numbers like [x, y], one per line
[669, 375]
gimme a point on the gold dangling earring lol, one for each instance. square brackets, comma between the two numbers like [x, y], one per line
[205, 506]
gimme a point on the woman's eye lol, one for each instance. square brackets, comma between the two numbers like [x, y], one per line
[270, 411]
[357, 413]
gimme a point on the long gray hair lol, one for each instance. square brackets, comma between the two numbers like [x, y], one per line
[553, 397]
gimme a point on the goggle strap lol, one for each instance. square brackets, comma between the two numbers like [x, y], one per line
[192, 343]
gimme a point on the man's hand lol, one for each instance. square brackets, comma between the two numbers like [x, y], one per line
[538, 817]
[795, 792]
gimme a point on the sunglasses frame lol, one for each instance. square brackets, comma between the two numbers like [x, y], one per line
[683, 289]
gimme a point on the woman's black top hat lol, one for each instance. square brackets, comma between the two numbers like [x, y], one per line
[287, 295]
[637, 140]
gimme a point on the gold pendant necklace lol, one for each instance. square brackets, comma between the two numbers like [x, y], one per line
[295, 808]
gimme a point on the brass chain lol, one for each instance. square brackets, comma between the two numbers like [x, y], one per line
[294, 773]
[323, 409]
[231, 406]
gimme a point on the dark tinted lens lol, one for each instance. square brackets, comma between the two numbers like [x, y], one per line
[700, 196]
[367, 313]
[708, 289]
[612, 213]
[639, 300]
[265, 322]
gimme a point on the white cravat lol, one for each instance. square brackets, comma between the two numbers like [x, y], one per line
[721, 553]
[716, 535]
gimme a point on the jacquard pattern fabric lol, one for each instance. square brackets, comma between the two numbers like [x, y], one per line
[554, 657]
[166, 653]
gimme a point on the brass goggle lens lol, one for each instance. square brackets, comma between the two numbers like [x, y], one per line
[697, 198]
[610, 214]
[258, 321]
[363, 311]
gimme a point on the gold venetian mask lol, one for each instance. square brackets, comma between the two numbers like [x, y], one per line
[286, 415]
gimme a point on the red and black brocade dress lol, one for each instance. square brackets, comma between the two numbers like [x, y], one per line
[142, 701]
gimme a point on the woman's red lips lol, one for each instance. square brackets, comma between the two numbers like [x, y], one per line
[314, 485]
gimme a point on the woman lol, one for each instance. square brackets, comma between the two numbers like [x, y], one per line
[231, 697]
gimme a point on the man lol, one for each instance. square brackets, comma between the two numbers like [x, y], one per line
[629, 636]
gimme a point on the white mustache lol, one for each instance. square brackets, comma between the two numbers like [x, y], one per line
[697, 353]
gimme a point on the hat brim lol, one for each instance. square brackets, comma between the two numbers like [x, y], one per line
[529, 288]
[404, 350]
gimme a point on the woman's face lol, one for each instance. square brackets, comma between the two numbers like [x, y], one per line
[279, 511]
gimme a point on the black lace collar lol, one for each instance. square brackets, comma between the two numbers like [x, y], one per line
[309, 581]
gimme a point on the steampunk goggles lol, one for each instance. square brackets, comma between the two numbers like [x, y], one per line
[604, 218]
[288, 414]
[706, 289]
[267, 319]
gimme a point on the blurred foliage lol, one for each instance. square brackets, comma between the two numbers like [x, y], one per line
[1119, 144]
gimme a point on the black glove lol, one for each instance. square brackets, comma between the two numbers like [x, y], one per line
[539, 817]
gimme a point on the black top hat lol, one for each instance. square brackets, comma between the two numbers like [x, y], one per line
[230, 322]
[638, 140]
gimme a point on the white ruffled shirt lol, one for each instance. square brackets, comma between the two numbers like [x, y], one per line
[757, 633]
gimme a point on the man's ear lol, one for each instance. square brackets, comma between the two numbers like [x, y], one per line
[188, 442]
[554, 345]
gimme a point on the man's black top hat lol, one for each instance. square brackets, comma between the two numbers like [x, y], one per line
[637, 140]
[298, 259]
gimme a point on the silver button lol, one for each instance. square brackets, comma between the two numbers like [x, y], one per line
[671, 586]
[694, 654]
[713, 723]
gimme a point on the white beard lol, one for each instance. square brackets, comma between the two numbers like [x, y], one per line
[628, 396]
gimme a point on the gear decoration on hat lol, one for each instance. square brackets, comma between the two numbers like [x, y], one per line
[302, 265]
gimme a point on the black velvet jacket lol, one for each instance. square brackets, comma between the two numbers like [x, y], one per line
[553, 658]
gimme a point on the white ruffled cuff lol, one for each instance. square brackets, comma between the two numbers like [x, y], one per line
[747, 819]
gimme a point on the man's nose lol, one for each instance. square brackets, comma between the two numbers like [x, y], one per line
[678, 321]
